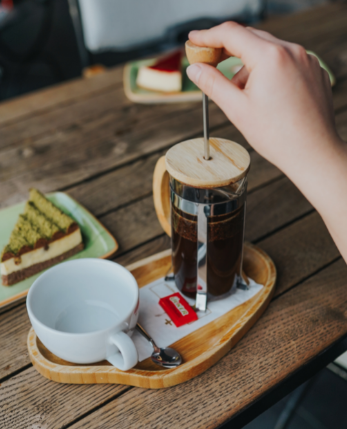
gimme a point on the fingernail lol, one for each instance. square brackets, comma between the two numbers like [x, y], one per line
[191, 33]
[194, 72]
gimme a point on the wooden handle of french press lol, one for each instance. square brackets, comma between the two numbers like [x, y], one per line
[161, 195]
[203, 54]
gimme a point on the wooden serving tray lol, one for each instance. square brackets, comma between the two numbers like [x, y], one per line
[200, 349]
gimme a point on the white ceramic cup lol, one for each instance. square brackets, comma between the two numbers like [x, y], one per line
[85, 311]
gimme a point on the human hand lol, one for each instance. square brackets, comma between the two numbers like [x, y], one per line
[280, 100]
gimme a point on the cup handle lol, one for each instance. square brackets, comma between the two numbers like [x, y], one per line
[161, 195]
[127, 356]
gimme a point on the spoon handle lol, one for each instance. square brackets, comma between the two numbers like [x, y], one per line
[144, 334]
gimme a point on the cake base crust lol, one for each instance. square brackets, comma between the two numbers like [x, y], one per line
[20, 275]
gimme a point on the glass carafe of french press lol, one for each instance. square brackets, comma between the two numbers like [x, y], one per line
[201, 205]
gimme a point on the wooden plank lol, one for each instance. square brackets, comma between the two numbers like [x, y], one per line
[14, 330]
[272, 207]
[65, 93]
[112, 106]
[58, 404]
[295, 328]
[95, 148]
[300, 250]
[12, 190]
[133, 224]
[159, 244]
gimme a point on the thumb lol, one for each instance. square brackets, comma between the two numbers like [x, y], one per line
[215, 85]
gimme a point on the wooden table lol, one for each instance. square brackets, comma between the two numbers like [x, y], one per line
[84, 137]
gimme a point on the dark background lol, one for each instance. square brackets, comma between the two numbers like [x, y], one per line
[38, 44]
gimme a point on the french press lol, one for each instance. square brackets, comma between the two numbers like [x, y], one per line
[199, 190]
[201, 203]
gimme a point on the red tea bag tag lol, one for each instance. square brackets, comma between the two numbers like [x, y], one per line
[178, 309]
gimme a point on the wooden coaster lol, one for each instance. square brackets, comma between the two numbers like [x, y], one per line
[200, 349]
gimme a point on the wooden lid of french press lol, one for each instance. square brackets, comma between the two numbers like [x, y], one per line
[228, 164]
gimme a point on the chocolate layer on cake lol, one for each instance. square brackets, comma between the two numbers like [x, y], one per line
[20, 275]
[42, 236]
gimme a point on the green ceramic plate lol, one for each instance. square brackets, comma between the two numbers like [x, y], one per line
[99, 243]
[190, 92]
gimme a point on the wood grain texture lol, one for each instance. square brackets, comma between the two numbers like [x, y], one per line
[272, 207]
[58, 404]
[301, 250]
[229, 162]
[202, 54]
[95, 146]
[61, 94]
[117, 188]
[13, 354]
[295, 328]
[156, 245]
[134, 224]
[199, 350]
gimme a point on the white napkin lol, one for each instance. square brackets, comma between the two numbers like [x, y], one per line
[159, 325]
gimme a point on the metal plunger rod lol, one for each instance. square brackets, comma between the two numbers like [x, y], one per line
[211, 56]
[206, 127]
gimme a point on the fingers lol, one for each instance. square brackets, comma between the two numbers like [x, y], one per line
[214, 84]
[240, 78]
[269, 37]
[235, 39]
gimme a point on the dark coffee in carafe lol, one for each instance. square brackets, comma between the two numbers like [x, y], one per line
[223, 253]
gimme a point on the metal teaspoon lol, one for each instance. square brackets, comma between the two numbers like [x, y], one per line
[168, 357]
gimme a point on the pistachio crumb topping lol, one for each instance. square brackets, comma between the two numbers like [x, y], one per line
[41, 219]
[50, 210]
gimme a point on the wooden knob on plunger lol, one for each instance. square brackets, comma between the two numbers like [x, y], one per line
[203, 54]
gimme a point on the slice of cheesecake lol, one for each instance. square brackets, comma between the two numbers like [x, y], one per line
[42, 237]
[165, 75]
